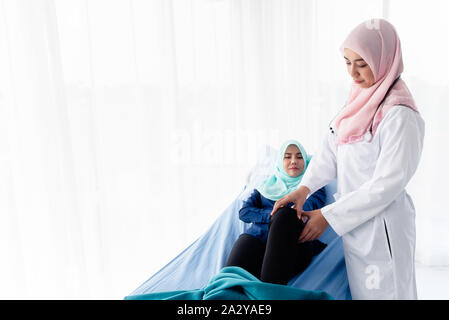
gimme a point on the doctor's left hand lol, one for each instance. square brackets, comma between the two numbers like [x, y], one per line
[315, 226]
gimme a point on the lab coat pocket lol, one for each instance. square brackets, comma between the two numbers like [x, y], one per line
[388, 239]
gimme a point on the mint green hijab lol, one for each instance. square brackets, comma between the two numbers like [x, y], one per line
[280, 183]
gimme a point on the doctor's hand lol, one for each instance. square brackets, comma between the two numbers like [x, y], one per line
[298, 197]
[315, 226]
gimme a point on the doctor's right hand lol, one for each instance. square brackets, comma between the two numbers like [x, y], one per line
[298, 197]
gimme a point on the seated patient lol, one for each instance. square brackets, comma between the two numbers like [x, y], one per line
[269, 249]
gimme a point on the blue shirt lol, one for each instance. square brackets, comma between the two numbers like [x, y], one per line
[256, 210]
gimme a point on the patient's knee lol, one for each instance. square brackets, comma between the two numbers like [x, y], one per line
[284, 214]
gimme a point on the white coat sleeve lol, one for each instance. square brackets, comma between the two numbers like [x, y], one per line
[401, 139]
[322, 168]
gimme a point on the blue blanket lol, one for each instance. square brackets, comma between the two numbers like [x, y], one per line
[198, 263]
[234, 283]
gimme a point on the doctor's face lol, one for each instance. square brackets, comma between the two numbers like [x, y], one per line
[358, 69]
[293, 161]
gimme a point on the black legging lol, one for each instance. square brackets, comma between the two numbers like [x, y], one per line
[282, 256]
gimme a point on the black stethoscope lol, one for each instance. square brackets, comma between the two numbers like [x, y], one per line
[377, 109]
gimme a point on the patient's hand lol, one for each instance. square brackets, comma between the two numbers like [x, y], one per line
[298, 197]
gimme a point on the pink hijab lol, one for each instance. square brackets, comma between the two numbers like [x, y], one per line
[377, 42]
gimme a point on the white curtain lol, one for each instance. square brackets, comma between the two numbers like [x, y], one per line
[421, 25]
[128, 126]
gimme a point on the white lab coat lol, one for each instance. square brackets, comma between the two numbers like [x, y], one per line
[373, 213]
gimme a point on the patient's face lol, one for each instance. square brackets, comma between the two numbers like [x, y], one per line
[293, 161]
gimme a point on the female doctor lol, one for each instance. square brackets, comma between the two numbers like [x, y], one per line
[372, 148]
